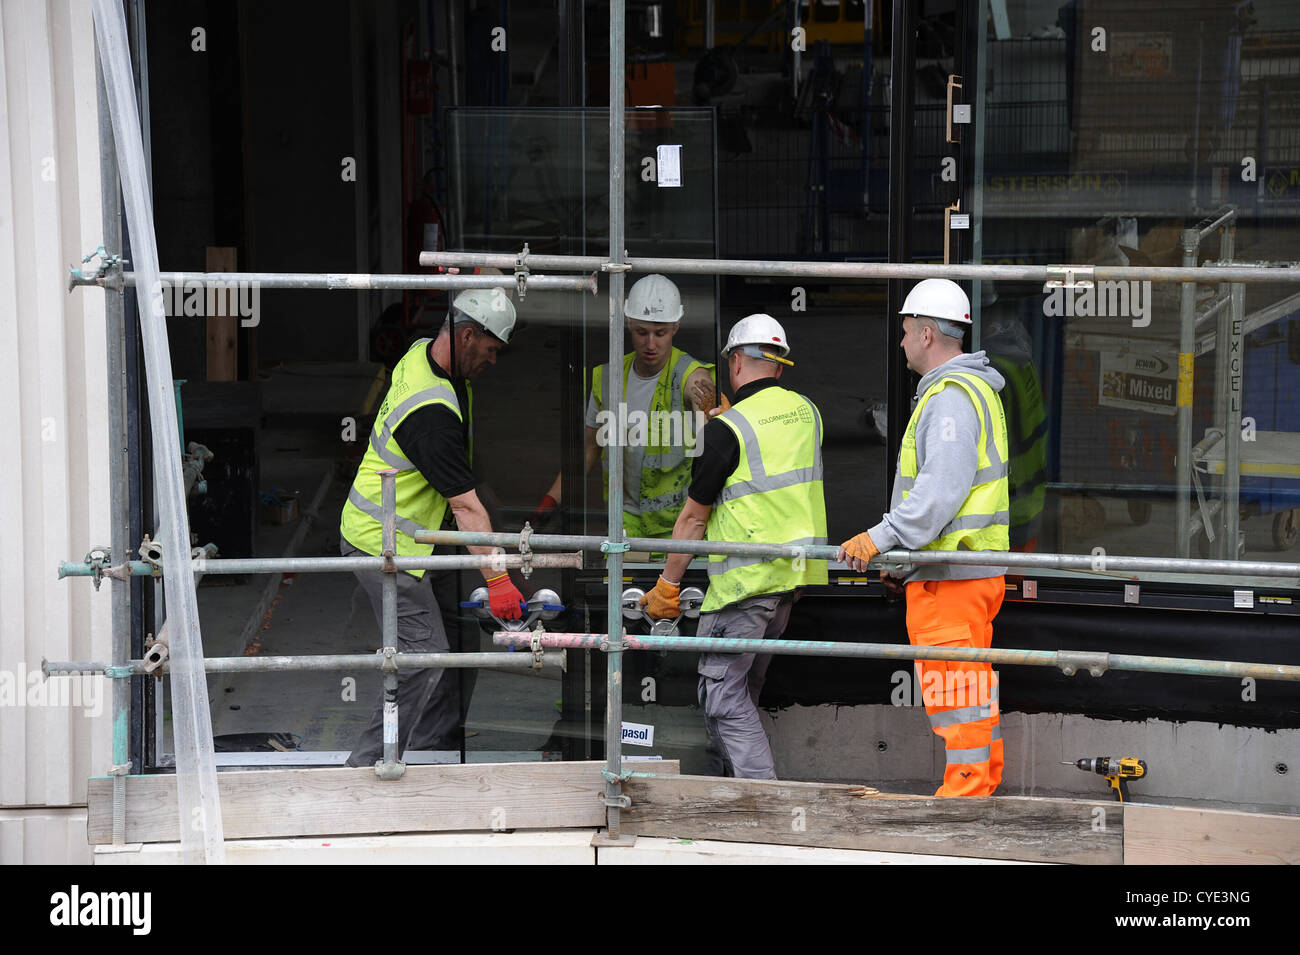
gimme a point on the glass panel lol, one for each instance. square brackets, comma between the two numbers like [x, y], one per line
[1108, 132]
[540, 176]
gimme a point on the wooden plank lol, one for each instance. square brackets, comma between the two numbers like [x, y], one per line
[223, 327]
[816, 814]
[317, 802]
[1176, 835]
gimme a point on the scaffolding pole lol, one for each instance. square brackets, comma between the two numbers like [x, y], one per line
[1067, 661]
[118, 490]
[326, 565]
[615, 547]
[1098, 563]
[1065, 274]
[321, 662]
[346, 281]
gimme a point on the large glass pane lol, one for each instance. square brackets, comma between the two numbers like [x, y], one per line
[540, 177]
[1115, 134]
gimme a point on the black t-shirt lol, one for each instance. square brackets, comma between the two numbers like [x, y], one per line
[721, 454]
[434, 440]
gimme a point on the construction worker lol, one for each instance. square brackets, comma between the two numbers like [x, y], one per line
[759, 479]
[950, 493]
[663, 387]
[421, 431]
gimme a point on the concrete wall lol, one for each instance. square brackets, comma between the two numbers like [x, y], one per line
[893, 748]
[54, 487]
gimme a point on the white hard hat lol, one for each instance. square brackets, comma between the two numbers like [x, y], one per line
[760, 331]
[654, 299]
[937, 298]
[489, 308]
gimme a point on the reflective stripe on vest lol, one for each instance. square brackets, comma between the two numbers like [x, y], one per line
[982, 521]
[657, 495]
[419, 506]
[774, 496]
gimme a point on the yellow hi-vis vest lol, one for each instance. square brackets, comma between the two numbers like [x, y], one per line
[419, 506]
[1027, 431]
[651, 510]
[981, 522]
[774, 496]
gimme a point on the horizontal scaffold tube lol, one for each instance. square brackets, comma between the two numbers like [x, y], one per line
[1099, 563]
[1069, 661]
[359, 281]
[878, 270]
[320, 565]
[341, 661]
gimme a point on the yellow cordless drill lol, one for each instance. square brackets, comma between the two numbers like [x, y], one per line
[1118, 770]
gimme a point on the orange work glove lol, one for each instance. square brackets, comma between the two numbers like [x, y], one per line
[723, 405]
[861, 548]
[504, 598]
[663, 601]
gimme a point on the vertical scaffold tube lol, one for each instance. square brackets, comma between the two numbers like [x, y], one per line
[613, 399]
[119, 509]
[390, 768]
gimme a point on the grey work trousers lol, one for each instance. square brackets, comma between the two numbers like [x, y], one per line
[730, 684]
[429, 710]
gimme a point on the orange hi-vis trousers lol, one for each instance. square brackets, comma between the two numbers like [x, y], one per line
[961, 698]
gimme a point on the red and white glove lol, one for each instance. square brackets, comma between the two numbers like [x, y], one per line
[504, 598]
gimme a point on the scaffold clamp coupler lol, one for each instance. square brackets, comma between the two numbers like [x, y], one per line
[151, 553]
[155, 656]
[99, 559]
[390, 663]
[526, 550]
[620, 777]
[615, 267]
[521, 272]
[535, 642]
[108, 273]
[119, 672]
[1072, 661]
[1070, 276]
[119, 769]
[610, 547]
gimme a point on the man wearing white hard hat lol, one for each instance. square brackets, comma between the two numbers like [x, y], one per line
[423, 431]
[758, 479]
[658, 379]
[950, 493]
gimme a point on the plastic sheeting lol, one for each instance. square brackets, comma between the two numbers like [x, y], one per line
[196, 774]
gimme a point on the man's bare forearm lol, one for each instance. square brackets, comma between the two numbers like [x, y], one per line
[691, 524]
[471, 516]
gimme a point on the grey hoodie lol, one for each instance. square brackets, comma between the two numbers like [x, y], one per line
[947, 455]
